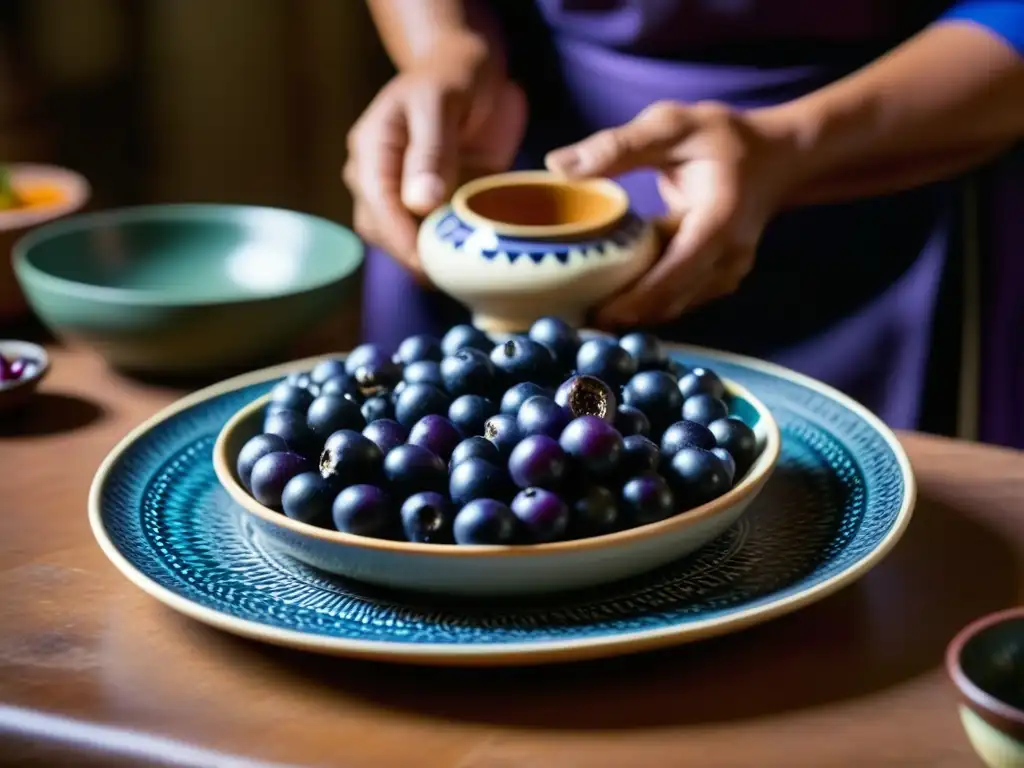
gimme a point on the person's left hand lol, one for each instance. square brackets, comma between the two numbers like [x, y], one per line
[722, 173]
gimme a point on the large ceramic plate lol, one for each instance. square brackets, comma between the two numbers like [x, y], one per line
[839, 500]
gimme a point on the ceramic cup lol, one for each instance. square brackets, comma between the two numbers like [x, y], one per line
[985, 661]
[517, 246]
[50, 192]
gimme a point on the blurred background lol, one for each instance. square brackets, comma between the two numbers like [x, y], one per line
[244, 101]
[249, 101]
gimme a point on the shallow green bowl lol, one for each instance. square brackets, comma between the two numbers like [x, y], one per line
[187, 288]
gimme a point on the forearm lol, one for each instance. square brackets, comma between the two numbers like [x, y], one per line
[941, 102]
[413, 30]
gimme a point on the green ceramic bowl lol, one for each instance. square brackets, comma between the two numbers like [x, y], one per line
[187, 288]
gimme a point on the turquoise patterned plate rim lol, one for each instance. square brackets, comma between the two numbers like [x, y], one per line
[839, 500]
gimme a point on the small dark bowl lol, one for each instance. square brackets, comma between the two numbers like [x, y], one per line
[985, 661]
[16, 393]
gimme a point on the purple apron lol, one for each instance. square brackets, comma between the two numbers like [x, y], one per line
[846, 294]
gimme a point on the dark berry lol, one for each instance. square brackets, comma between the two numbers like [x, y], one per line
[340, 385]
[366, 510]
[377, 379]
[326, 370]
[378, 407]
[543, 514]
[697, 476]
[475, 447]
[427, 518]
[630, 420]
[646, 349]
[349, 458]
[469, 372]
[738, 439]
[704, 409]
[417, 348]
[639, 455]
[292, 427]
[538, 461]
[701, 381]
[677, 369]
[503, 431]
[728, 461]
[386, 434]
[419, 400]
[423, 372]
[559, 337]
[365, 355]
[465, 336]
[410, 469]
[605, 360]
[308, 499]
[330, 413]
[486, 521]
[593, 444]
[518, 394]
[587, 396]
[290, 396]
[256, 448]
[541, 415]
[299, 379]
[683, 434]
[478, 479]
[522, 359]
[594, 513]
[646, 498]
[469, 412]
[657, 395]
[437, 434]
[271, 474]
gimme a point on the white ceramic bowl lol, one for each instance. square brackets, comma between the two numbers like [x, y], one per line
[500, 570]
[517, 246]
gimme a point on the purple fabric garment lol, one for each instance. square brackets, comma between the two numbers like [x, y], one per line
[843, 293]
[1001, 417]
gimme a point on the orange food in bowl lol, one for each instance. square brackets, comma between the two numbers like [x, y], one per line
[37, 195]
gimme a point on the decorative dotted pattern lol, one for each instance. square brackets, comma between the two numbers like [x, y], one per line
[454, 231]
[835, 494]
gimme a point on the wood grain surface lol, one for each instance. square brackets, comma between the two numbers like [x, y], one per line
[94, 672]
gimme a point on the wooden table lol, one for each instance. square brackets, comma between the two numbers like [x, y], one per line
[94, 672]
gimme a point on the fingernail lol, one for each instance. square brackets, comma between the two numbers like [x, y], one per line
[423, 191]
[565, 161]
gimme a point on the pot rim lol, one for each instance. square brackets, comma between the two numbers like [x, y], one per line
[607, 188]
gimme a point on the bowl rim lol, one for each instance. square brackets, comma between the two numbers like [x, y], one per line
[75, 184]
[608, 188]
[980, 701]
[25, 270]
[749, 485]
[42, 358]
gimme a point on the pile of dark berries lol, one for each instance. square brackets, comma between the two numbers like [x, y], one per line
[539, 438]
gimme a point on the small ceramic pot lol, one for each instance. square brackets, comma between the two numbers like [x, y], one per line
[985, 661]
[52, 192]
[518, 246]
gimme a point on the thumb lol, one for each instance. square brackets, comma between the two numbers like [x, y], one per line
[646, 140]
[431, 158]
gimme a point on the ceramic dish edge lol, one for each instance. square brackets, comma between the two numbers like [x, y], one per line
[522, 653]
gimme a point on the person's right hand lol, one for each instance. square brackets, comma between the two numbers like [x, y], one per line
[429, 128]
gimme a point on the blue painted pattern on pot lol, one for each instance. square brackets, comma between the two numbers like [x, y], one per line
[454, 231]
[836, 494]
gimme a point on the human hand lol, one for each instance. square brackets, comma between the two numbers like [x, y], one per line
[722, 174]
[453, 116]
